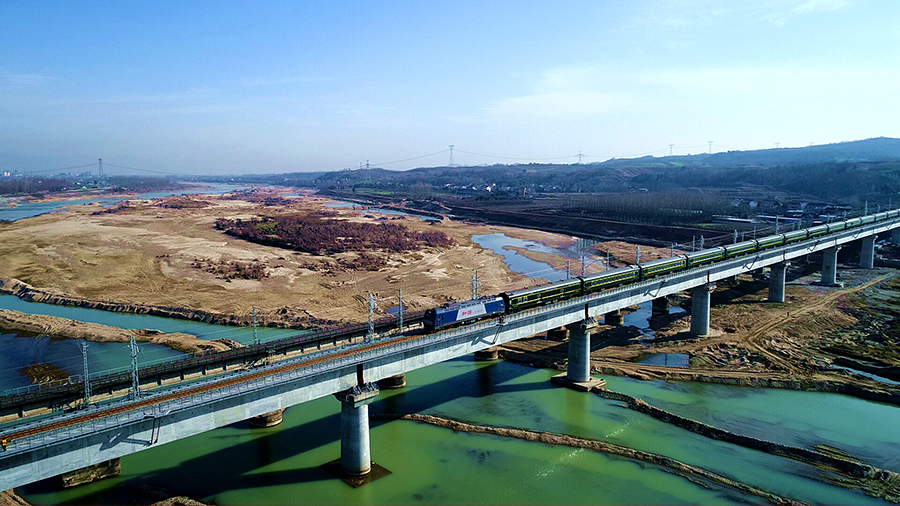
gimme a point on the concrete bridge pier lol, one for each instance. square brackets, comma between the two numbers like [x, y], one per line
[867, 253]
[579, 368]
[895, 236]
[578, 371]
[270, 419]
[355, 455]
[615, 318]
[393, 382]
[776, 281]
[700, 309]
[829, 266]
[560, 334]
[91, 473]
[487, 354]
[660, 307]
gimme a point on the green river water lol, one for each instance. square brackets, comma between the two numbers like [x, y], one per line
[281, 465]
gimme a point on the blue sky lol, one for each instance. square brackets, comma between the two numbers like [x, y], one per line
[239, 87]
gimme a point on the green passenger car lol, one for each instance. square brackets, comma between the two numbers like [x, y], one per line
[525, 298]
[795, 236]
[836, 227]
[705, 256]
[770, 241]
[662, 266]
[740, 248]
[611, 278]
[817, 231]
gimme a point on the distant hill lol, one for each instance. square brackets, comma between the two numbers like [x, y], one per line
[879, 149]
[859, 169]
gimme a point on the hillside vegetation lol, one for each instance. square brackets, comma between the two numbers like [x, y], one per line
[848, 171]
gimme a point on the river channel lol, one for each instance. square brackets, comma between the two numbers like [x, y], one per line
[105, 357]
[30, 209]
[239, 464]
[243, 465]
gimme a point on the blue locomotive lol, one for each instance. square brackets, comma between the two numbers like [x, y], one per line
[459, 312]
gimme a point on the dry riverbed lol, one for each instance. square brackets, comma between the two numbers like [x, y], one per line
[167, 253]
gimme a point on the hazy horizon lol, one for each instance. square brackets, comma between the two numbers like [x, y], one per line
[232, 88]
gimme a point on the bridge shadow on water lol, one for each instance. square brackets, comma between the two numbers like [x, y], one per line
[216, 465]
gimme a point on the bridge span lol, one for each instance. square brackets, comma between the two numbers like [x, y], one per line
[35, 449]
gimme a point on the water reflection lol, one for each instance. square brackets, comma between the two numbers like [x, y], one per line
[519, 263]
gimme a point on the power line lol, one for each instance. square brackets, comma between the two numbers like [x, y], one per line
[143, 170]
[515, 157]
[413, 158]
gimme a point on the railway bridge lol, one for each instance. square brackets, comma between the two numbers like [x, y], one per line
[43, 447]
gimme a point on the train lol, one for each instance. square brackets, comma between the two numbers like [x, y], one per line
[457, 313]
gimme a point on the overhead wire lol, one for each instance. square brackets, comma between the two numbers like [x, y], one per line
[414, 158]
[143, 170]
[513, 157]
[419, 157]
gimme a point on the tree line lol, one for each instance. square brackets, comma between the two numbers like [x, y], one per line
[24, 186]
[671, 208]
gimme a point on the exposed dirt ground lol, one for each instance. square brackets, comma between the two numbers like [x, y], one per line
[63, 328]
[751, 339]
[148, 254]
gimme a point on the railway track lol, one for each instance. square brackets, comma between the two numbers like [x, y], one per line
[70, 391]
[13, 436]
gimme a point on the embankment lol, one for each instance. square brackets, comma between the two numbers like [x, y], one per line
[761, 381]
[29, 293]
[876, 482]
[279, 319]
[63, 328]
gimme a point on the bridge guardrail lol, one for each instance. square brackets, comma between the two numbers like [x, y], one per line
[160, 366]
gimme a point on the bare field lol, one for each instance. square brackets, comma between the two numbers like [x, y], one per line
[146, 254]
